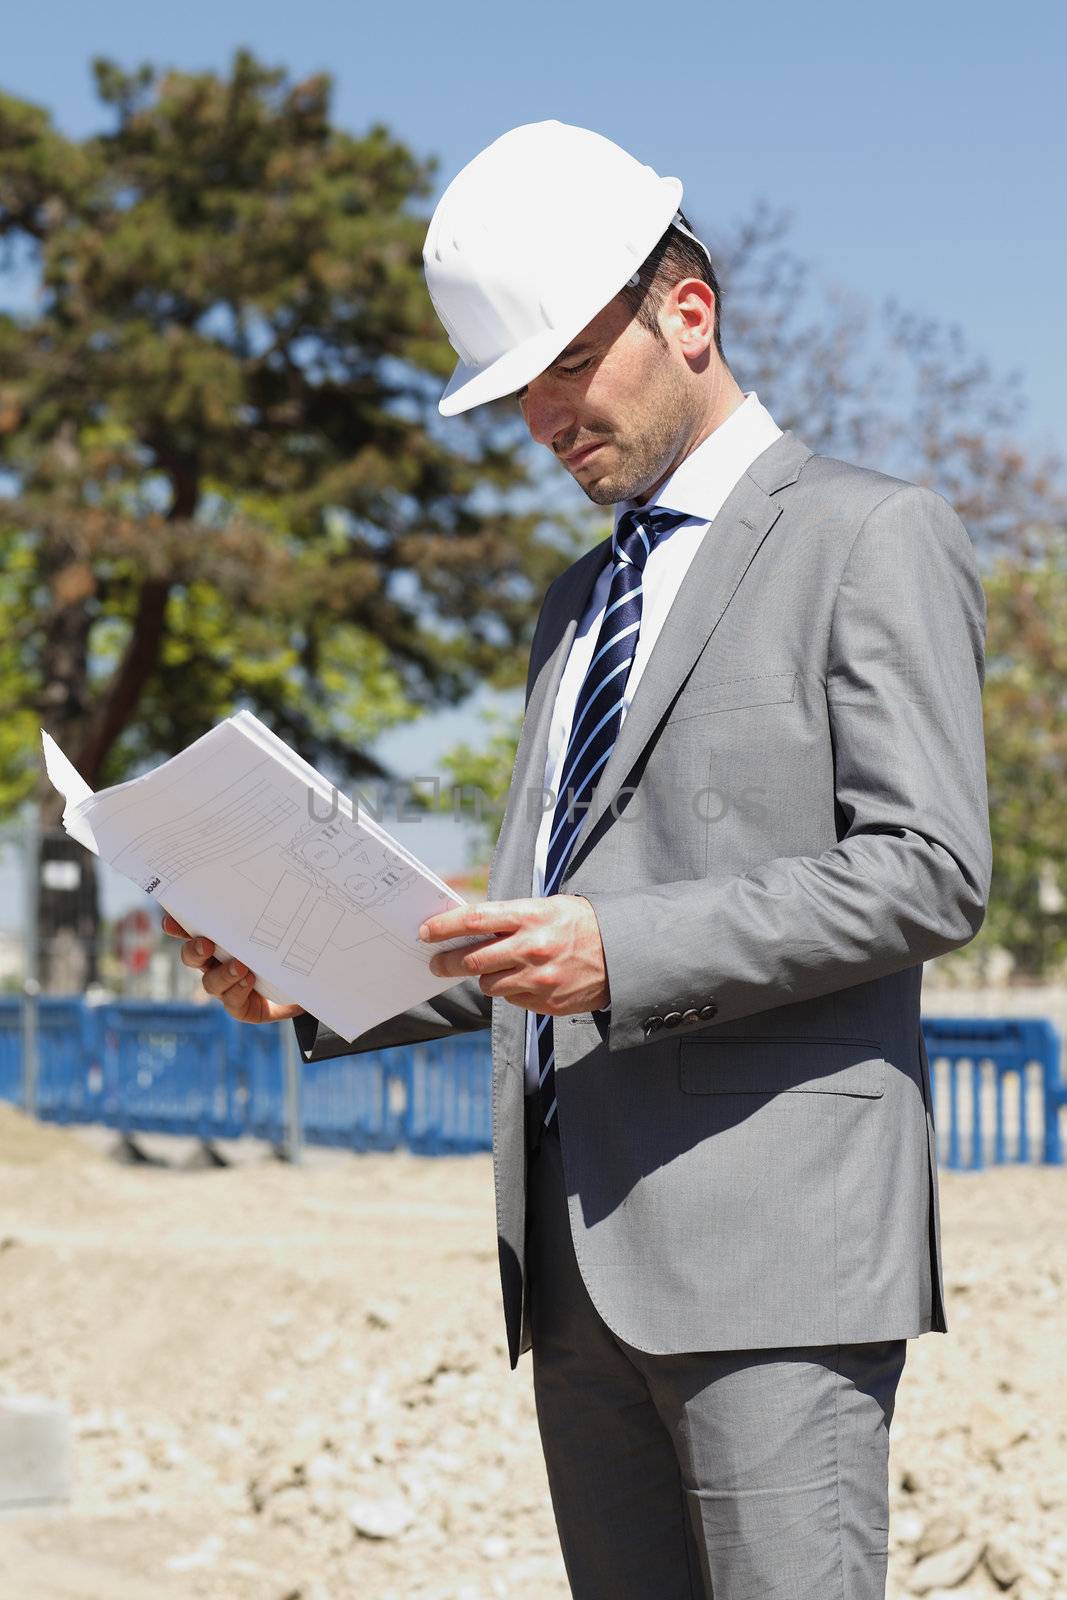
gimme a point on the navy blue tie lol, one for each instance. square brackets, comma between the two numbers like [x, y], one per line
[595, 725]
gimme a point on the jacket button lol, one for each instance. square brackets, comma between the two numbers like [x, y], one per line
[672, 1019]
[652, 1024]
[707, 1012]
[691, 1015]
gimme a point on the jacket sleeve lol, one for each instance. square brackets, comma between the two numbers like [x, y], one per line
[909, 876]
[462, 1009]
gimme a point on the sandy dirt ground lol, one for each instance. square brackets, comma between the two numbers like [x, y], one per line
[291, 1384]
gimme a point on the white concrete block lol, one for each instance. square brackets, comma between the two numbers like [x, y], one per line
[35, 1452]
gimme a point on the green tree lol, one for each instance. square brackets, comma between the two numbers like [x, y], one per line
[231, 483]
[1026, 738]
[481, 778]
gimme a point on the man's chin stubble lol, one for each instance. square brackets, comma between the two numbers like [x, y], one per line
[659, 450]
[608, 488]
[613, 487]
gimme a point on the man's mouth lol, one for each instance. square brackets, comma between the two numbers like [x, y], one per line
[579, 456]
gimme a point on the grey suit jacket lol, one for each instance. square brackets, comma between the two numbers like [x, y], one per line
[793, 819]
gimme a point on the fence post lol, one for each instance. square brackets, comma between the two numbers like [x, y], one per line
[1055, 1091]
[416, 1097]
[294, 1125]
[31, 982]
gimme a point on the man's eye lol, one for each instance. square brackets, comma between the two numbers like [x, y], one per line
[520, 394]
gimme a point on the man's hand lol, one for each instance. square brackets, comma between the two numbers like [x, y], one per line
[544, 954]
[228, 981]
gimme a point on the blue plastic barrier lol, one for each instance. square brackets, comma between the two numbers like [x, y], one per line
[981, 1058]
[450, 1097]
[10, 1049]
[183, 1069]
[357, 1102]
[69, 1079]
[166, 1071]
[256, 1063]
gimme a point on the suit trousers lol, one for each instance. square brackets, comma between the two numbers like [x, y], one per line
[723, 1474]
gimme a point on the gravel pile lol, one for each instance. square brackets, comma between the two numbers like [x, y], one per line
[292, 1385]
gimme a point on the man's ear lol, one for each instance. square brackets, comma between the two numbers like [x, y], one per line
[689, 332]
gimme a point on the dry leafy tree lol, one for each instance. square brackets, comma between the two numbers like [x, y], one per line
[899, 391]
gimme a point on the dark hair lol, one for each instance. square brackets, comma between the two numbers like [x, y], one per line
[673, 258]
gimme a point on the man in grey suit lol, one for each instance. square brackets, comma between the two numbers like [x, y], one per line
[753, 736]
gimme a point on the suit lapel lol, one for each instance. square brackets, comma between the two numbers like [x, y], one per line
[743, 522]
[745, 518]
[511, 870]
[511, 873]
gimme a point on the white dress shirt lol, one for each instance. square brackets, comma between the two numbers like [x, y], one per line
[698, 486]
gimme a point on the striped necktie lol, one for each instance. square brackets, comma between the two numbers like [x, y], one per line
[595, 725]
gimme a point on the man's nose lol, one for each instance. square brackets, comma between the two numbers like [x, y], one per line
[547, 416]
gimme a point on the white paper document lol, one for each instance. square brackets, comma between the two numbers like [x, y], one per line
[243, 842]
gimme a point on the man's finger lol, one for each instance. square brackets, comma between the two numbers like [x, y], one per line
[223, 976]
[509, 986]
[197, 953]
[507, 983]
[490, 917]
[244, 1004]
[495, 955]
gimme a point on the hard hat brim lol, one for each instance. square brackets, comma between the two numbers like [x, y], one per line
[474, 386]
[471, 386]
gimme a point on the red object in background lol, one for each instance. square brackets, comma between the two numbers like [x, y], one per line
[135, 939]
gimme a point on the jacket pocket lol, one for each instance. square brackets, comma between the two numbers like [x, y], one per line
[731, 694]
[772, 1065]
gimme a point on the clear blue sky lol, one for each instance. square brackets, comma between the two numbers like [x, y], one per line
[920, 148]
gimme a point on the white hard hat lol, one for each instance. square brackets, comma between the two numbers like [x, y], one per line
[528, 242]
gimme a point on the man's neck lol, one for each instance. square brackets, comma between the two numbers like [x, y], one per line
[728, 404]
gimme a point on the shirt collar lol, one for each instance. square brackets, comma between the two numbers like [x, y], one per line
[700, 484]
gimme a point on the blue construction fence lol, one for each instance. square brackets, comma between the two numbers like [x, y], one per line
[144, 1067]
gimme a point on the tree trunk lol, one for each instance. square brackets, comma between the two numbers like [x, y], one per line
[68, 920]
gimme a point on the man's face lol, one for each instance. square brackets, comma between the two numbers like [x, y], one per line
[617, 407]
